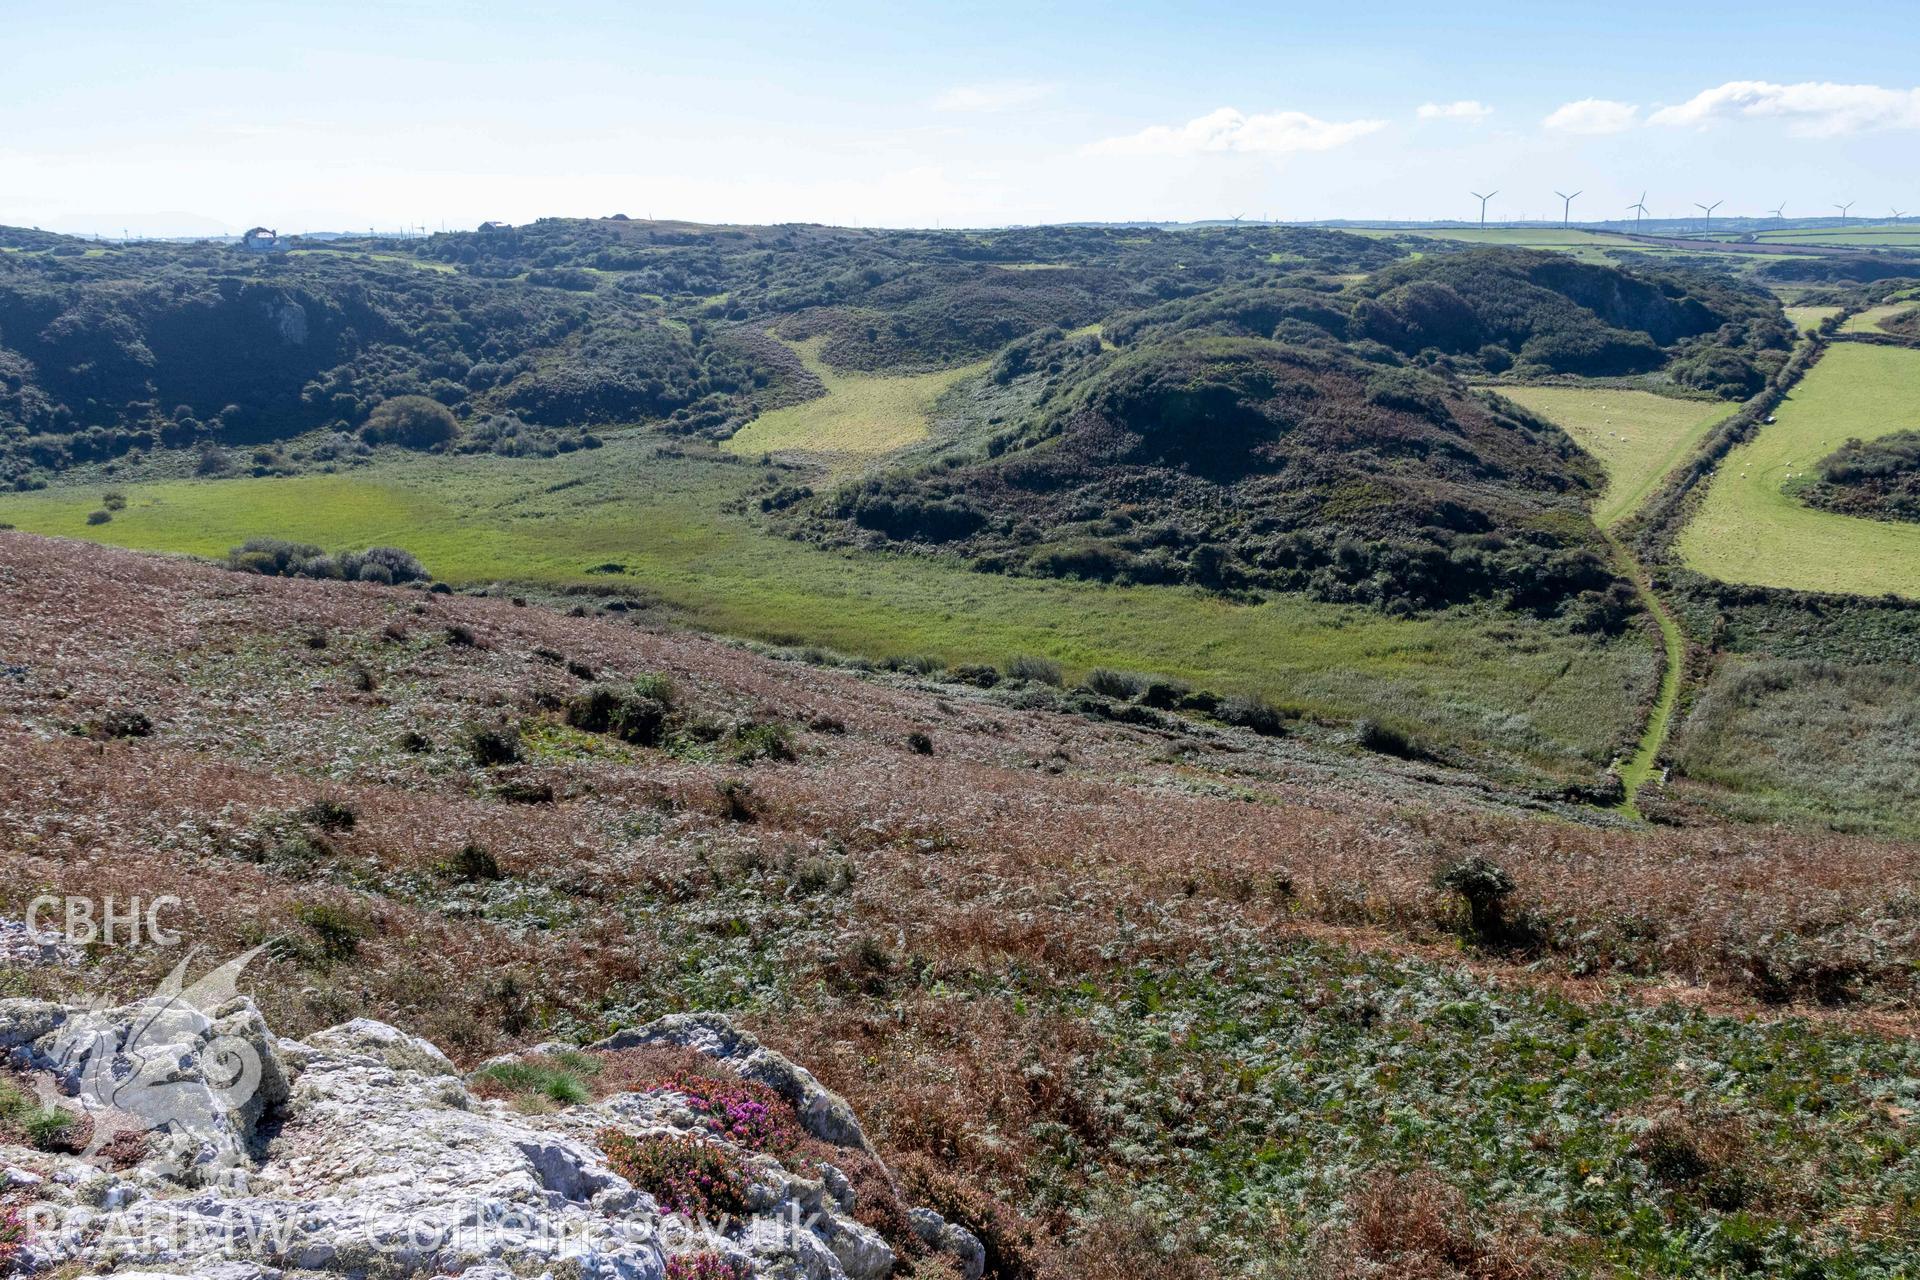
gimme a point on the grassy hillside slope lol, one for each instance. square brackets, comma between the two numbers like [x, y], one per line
[661, 514]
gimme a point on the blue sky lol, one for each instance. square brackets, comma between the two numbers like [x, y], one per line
[173, 118]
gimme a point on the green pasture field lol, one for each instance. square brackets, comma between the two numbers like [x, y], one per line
[860, 416]
[1880, 236]
[1588, 246]
[1805, 318]
[1752, 528]
[1869, 321]
[1637, 436]
[1510, 687]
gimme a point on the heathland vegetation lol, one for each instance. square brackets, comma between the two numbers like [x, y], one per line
[1158, 763]
[1369, 479]
[1120, 997]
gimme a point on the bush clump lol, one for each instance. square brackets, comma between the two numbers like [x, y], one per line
[1036, 670]
[474, 863]
[1386, 740]
[640, 714]
[1487, 890]
[1114, 684]
[278, 558]
[1251, 711]
[121, 722]
[491, 745]
[707, 1264]
[756, 741]
[328, 815]
[412, 422]
[688, 1177]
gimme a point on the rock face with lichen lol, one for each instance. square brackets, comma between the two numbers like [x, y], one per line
[362, 1150]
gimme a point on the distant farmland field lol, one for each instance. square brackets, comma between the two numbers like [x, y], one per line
[1882, 236]
[1638, 436]
[1869, 321]
[1805, 318]
[1752, 527]
[862, 414]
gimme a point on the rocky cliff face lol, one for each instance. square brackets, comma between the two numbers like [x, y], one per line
[205, 1145]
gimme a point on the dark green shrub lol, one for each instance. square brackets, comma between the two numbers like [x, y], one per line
[50, 1129]
[99, 517]
[1035, 669]
[978, 674]
[339, 931]
[491, 745]
[474, 862]
[633, 715]
[919, 742]
[1163, 695]
[122, 722]
[1387, 740]
[1251, 711]
[412, 422]
[551, 1081]
[1487, 890]
[737, 801]
[328, 815]
[754, 741]
[1114, 684]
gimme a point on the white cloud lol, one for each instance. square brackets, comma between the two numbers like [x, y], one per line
[1811, 109]
[1466, 109]
[1228, 130]
[1005, 95]
[1593, 115]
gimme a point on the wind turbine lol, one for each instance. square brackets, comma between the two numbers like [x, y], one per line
[1844, 207]
[1566, 207]
[1639, 210]
[1708, 210]
[1899, 214]
[1483, 203]
[1781, 212]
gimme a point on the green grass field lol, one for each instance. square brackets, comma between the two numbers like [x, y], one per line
[1636, 435]
[862, 414]
[1869, 321]
[1805, 318]
[1588, 246]
[1875, 236]
[1752, 528]
[1514, 687]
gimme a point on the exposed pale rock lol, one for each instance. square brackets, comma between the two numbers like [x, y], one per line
[360, 1151]
[952, 1239]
